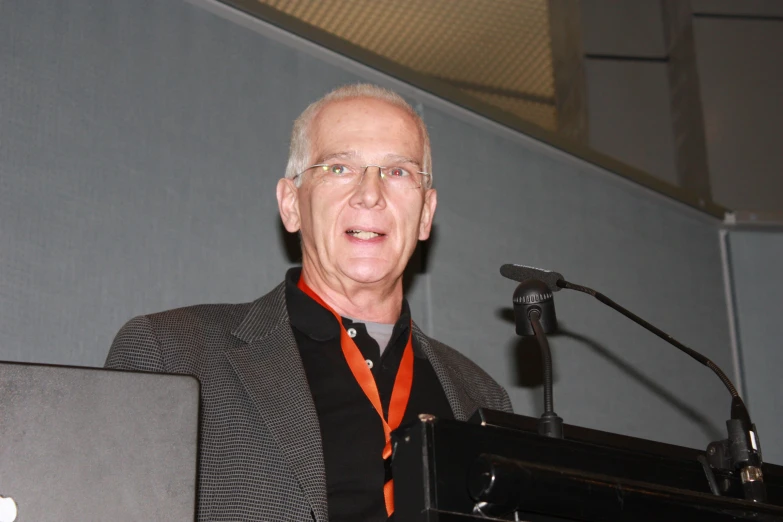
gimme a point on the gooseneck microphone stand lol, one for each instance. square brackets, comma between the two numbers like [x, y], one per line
[534, 315]
[741, 451]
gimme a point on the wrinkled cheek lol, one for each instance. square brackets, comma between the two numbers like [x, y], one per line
[321, 240]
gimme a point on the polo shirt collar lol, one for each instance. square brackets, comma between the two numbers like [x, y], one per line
[318, 323]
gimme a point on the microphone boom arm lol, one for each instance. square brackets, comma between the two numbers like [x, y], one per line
[741, 451]
[562, 283]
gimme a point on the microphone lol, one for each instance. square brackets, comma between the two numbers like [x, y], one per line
[521, 273]
[741, 451]
[534, 315]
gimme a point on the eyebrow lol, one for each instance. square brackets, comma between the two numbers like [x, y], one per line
[347, 155]
[352, 155]
[396, 158]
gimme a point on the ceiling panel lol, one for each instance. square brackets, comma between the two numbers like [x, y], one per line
[498, 51]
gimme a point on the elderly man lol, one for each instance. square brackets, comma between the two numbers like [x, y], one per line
[301, 388]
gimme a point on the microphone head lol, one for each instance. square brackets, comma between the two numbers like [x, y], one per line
[534, 295]
[523, 273]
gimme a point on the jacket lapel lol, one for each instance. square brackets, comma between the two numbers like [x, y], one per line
[462, 404]
[270, 368]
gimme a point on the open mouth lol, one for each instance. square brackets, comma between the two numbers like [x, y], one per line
[363, 234]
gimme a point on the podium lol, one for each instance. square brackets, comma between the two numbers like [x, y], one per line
[497, 467]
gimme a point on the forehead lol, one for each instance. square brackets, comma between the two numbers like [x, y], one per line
[366, 127]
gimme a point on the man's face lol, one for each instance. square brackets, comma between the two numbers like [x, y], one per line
[365, 232]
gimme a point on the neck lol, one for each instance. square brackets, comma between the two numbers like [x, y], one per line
[374, 302]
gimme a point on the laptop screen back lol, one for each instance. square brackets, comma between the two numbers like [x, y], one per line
[90, 444]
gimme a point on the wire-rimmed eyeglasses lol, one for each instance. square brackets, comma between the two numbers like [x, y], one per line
[346, 174]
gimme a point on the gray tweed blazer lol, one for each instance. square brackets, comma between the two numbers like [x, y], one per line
[260, 448]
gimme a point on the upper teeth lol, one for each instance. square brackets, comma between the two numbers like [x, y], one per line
[361, 234]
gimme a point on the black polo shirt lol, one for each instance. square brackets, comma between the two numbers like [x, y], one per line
[351, 431]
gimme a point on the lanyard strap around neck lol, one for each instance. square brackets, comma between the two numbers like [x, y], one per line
[400, 393]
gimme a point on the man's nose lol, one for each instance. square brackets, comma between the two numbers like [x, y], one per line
[373, 170]
[370, 188]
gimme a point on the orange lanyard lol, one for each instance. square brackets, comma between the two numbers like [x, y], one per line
[400, 393]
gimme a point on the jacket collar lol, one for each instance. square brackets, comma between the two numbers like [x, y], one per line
[266, 314]
[270, 368]
[462, 404]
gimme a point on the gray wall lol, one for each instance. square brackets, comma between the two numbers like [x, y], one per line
[755, 260]
[139, 147]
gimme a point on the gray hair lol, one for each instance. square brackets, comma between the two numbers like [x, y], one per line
[299, 153]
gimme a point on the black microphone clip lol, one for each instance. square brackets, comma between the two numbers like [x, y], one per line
[534, 315]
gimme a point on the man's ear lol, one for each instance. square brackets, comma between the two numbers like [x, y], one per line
[427, 214]
[288, 204]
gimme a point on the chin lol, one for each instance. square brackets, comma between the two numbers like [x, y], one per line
[368, 270]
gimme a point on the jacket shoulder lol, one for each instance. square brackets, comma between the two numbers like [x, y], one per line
[198, 321]
[174, 340]
[477, 383]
